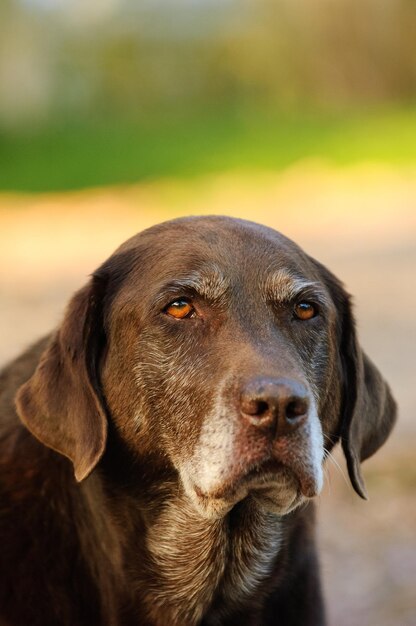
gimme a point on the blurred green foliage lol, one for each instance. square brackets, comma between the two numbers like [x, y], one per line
[89, 153]
[113, 91]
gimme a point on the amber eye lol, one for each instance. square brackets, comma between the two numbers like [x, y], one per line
[180, 309]
[304, 311]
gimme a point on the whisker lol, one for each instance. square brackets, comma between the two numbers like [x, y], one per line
[328, 437]
[330, 456]
[327, 475]
[332, 439]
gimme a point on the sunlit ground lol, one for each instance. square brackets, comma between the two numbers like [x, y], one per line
[361, 222]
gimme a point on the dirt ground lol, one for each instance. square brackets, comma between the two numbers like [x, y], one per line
[361, 222]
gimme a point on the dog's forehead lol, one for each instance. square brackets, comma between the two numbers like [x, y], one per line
[230, 245]
[213, 253]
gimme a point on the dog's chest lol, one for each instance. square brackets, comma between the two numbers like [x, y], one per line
[194, 561]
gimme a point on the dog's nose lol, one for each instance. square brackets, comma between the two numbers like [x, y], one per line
[277, 404]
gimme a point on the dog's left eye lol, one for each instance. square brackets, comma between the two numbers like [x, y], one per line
[179, 309]
[304, 311]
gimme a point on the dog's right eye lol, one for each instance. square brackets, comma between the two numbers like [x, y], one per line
[180, 309]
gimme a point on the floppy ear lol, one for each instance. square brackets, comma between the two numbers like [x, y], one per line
[61, 403]
[368, 408]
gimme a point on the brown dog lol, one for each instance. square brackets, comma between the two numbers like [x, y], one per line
[195, 385]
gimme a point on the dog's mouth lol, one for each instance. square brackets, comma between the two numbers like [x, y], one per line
[278, 487]
[258, 475]
[265, 475]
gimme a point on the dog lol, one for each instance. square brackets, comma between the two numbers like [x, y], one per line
[160, 451]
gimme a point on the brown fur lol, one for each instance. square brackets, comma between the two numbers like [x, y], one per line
[138, 487]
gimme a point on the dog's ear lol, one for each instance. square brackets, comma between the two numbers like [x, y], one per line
[368, 407]
[61, 403]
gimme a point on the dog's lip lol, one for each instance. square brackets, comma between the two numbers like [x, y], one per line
[266, 472]
[269, 470]
[258, 476]
[266, 475]
[262, 476]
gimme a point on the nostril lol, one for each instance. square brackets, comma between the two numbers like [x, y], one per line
[296, 409]
[262, 408]
[256, 408]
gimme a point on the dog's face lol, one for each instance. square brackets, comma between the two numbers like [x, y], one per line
[230, 341]
[219, 347]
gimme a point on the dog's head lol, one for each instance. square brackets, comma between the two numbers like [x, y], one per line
[217, 347]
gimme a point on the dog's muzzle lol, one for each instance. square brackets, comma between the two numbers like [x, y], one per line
[272, 444]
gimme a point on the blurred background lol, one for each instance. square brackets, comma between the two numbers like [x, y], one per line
[301, 114]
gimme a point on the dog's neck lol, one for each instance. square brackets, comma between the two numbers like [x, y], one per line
[195, 564]
[188, 565]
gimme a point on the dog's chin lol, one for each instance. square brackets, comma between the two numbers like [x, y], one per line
[278, 495]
